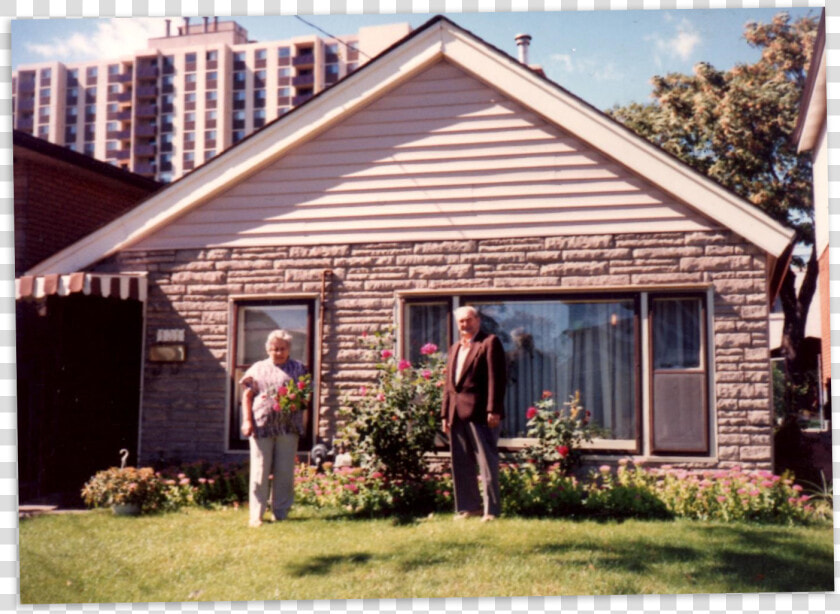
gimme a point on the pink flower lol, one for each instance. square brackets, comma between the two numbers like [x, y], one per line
[427, 374]
[797, 488]
[403, 365]
[446, 493]
[721, 498]
[352, 488]
[429, 348]
[532, 411]
[604, 468]
[364, 334]
[282, 391]
[563, 451]
[380, 397]
[301, 385]
[546, 394]
[386, 354]
[438, 384]
[275, 406]
[363, 390]
[754, 493]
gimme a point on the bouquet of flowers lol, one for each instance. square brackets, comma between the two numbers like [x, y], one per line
[294, 396]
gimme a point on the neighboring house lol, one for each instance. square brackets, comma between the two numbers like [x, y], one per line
[78, 357]
[446, 172]
[61, 196]
[811, 135]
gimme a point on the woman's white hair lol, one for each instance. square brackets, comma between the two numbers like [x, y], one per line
[464, 311]
[282, 335]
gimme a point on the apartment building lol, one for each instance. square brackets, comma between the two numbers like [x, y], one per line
[191, 94]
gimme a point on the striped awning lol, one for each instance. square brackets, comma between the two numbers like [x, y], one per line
[122, 286]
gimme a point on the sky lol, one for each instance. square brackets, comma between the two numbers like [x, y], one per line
[604, 57]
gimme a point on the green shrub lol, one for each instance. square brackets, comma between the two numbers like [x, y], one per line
[391, 424]
[558, 432]
[125, 486]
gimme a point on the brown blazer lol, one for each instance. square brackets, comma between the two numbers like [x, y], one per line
[481, 388]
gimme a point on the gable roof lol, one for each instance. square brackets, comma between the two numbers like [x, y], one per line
[438, 39]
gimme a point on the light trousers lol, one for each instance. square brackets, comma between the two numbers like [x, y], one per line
[475, 444]
[272, 455]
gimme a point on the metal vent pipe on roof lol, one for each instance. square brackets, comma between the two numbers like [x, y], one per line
[186, 25]
[168, 24]
[523, 41]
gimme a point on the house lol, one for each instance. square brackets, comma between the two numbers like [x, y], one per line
[445, 172]
[51, 183]
[810, 135]
[78, 353]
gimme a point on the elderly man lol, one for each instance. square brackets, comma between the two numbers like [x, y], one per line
[472, 411]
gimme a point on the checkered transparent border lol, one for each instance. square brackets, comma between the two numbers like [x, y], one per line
[699, 604]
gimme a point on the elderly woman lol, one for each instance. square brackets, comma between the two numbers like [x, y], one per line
[273, 435]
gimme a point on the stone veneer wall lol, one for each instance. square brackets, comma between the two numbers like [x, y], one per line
[185, 406]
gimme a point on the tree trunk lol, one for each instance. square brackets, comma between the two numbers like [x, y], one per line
[795, 308]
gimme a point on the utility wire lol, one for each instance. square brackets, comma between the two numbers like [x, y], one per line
[324, 32]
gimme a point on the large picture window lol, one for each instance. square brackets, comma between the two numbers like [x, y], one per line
[253, 321]
[591, 344]
[556, 344]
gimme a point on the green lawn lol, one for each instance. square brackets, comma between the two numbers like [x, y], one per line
[213, 556]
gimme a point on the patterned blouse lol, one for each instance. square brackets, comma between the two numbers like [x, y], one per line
[262, 377]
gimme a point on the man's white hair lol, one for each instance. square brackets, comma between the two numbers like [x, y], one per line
[465, 311]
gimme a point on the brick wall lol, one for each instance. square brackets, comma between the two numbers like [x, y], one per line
[57, 204]
[184, 407]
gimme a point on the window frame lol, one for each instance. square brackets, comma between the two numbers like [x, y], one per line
[233, 442]
[705, 369]
[643, 443]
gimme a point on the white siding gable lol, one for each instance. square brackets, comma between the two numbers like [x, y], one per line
[441, 156]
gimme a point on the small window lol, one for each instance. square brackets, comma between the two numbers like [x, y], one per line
[260, 54]
[283, 52]
[253, 322]
[212, 55]
[190, 58]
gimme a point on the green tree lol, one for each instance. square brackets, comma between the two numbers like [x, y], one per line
[735, 126]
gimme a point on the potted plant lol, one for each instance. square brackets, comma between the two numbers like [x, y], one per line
[126, 490]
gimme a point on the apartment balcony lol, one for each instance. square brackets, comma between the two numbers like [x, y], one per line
[330, 79]
[26, 87]
[90, 118]
[190, 67]
[239, 66]
[144, 169]
[119, 115]
[331, 58]
[123, 97]
[303, 80]
[167, 89]
[71, 102]
[118, 135]
[147, 91]
[44, 100]
[166, 147]
[25, 124]
[144, 150]
[167, 107]
[26, 105]
[119, 154]
[146, 110]
[145, 130]
[306, 59]
[147, 72]
[212, 64]
[239, 124]
[300, 99]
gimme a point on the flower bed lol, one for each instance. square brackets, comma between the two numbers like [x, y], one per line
[631, 491]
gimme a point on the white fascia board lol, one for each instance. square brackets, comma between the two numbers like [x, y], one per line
[612, 139]
[815, 112]
[253, 154]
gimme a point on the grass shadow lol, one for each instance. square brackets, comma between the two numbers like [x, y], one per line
[322, 565]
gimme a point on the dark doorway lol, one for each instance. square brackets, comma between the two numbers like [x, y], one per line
[78, 382]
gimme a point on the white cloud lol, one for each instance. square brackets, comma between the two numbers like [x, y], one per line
[682, 44]
[595, 69]
[112, 37]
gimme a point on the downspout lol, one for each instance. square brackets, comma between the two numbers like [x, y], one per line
[325, 274]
